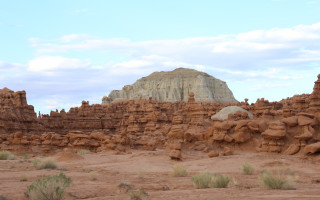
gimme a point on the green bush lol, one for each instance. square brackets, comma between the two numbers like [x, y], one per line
[220, 181]
[7, 155]
[247, 168]
[209, 180]
[82, 152]
[180, 171]
[202, 180]
[49, 188]
[47, 163]
[273, 180]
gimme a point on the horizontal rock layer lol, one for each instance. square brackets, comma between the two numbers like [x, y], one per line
[175, 86]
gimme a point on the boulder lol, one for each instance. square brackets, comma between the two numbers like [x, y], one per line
[312, 148]
[224, 112]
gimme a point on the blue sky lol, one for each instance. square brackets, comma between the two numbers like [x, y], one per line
[63, 52]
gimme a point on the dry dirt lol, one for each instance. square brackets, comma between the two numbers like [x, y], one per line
[152, 171]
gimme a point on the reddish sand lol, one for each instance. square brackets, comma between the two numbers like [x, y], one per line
[152, 171]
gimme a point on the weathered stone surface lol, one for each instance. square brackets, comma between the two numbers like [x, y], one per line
[284, 126]
[212, 154]
[292, 149]
[175, 86]
[225, 112]
[312, 148]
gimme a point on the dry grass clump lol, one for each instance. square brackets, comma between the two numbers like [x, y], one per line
[179, 171]
[47, 163]
[247, 168]
[275, 181]
[24, 177]
[209, 180]
[7, 155]
[137, 194]
[49, 188]
[93, 175]
[220, 181]
[202, 180]
[83, 152]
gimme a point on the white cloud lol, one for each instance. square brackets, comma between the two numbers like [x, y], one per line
[72, 37]
[51, 63]
[254, 64]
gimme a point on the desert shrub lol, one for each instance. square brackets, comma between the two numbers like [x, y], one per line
[48, 163]
[49, 188]
[23, 177]
[124, 187]
[7, 155]
[202, 180]
[179, 171]
[26, 156]
[247, 168]
[83, 152]
[93, 175]
[2, 197]
[220, 181]
[209, 180]
[137, 194]
[273, 180]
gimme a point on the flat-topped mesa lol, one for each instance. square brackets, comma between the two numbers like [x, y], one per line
[175, 86]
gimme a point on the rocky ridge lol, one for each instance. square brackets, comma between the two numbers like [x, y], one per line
[290, 126]
[175, 86]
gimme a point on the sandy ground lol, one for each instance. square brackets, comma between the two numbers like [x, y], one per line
[152, 171]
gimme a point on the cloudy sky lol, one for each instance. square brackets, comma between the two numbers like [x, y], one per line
[65, 51]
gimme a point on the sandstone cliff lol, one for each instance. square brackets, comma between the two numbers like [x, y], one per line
[175, 86]
[290, 126]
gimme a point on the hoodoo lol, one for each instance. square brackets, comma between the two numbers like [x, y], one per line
[175, 86]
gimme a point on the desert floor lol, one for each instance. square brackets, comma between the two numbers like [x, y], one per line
[152, 171]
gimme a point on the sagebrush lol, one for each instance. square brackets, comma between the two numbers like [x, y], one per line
[210, 180]
[7, 155]
[47, 163]
[49, 188]
[247, 168]
[274, 180]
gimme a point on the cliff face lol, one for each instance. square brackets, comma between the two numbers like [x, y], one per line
[289, 126]
[175, 86]
[15, 113]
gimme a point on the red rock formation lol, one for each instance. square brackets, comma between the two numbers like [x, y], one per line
[288, 126]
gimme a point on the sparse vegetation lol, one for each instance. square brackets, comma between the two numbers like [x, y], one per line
[137, 194]
[93, 175]
[83, 152]
[272, 180]
[7, 155]
[26, 156]
[124, 187]
[47, 163]
[2, 197]
[209, 180]
[202, 180]
[49, 188]
[23, 177]
[220, 181]
[180, 171]
[247, 168]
